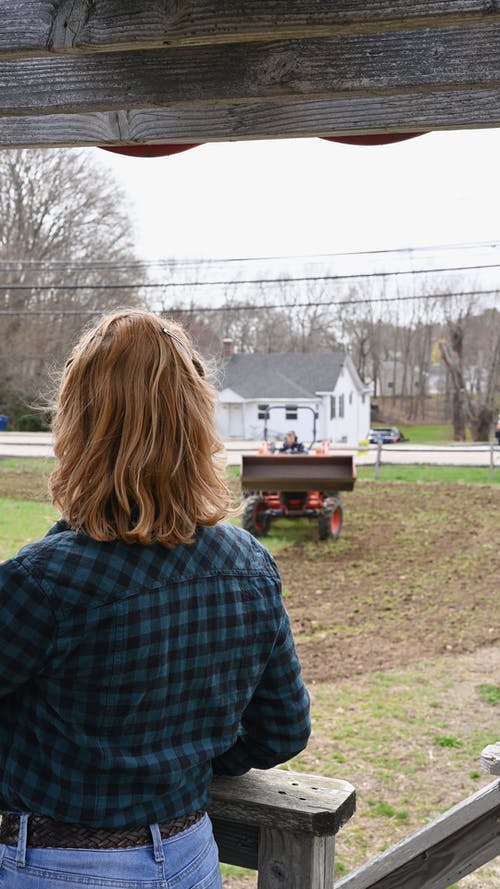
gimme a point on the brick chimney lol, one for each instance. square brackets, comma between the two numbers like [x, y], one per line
[228, 347]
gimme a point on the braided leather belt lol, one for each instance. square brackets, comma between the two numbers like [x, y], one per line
[44, 832]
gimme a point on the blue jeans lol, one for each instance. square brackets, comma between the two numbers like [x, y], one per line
[188, 860]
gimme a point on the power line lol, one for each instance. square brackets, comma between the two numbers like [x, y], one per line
[435, 248]
[266, 307]
[286, 280]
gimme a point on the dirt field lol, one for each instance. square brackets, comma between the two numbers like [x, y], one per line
[415, 573]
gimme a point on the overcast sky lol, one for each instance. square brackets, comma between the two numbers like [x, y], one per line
[307, 196]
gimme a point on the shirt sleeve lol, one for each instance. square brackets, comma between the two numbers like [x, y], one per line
[276, 723]
[27, 626]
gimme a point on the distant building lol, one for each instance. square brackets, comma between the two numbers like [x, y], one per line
[391, 379]
[316, 395]
[396, 379]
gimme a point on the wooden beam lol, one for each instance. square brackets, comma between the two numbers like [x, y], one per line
[415, 112]
[339, 67]
[453, 845]
[37, 27]
[277, 799]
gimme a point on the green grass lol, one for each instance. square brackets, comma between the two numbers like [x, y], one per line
[230, 870]
[38, 465]
[388, 729]
[490, 694]
[445, 474]
[388, 811]
[286, 532]
[21, 522]
[427, 433]
[423, 434]
[447, 741]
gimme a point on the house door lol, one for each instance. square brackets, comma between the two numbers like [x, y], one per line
[235, 428]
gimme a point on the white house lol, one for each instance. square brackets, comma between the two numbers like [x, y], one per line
[319, 396]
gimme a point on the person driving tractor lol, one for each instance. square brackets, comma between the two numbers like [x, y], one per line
[292, 444]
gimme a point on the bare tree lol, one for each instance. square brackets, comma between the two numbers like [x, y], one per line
[280, 320]
[470, 350]
[452, 355]
[66, 251]
[363, 328]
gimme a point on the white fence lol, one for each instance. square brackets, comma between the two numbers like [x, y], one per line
[485, 455]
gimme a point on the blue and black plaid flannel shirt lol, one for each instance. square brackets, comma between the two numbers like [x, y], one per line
[128, 674]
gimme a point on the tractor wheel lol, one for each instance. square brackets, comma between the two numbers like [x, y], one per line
[254, 519]
[330, 519]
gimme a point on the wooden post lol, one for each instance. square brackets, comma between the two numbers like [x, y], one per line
[378, 459]
[295, 861]
[490, 759]
[282, 824]
[492, 462]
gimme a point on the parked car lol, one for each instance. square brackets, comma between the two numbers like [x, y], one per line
[385, 435]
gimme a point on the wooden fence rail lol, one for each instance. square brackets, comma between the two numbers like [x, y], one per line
[453, 845]
[282, 824]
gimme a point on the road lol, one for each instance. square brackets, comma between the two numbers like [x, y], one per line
[26, 444]
[39, 444]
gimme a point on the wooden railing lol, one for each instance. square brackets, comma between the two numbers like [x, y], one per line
[281, 824]
[453, 845]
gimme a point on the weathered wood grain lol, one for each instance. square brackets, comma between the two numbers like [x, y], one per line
[490, 759]
[295, 861]
[40, 26]
[415, 112]
[283, 860]
[316, 69]
[25, 26]
[238, 843]
[442, 852]
[276, 799]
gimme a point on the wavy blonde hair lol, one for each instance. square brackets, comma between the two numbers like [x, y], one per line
[139, 456]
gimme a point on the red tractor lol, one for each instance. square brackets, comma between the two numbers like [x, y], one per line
[295, 486]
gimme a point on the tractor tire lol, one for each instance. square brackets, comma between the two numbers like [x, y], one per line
[252, 518]
[330, 519]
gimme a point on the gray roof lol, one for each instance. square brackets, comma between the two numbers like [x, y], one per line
[282, 374]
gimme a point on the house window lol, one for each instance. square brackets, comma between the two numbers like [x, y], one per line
[263, 411]
[341, 405]
[350, 397]
[390, 384]
[333, 412]
[291, 411]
